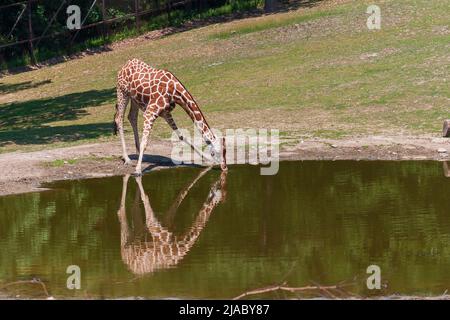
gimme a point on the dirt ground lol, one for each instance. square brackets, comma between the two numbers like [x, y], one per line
[25, 172]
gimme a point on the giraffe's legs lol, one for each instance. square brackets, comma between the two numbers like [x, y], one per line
[133, 118]
[149, 214]
[124, 190]
[136, 215]
[150, 115]
[122, 101]
[152, 224]
[169, 119]
[121, 213]
[212, 200]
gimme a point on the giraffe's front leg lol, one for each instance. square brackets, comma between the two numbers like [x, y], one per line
[150, 115]
[121, 213]
[169, 119]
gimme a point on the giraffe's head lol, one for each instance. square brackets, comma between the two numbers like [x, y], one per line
[218, 152]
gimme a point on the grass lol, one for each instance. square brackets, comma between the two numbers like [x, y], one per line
[275, 22]
[312, 72]
[62, 162]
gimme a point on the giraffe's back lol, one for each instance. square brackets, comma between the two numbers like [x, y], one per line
[147, 257]
[144, 83]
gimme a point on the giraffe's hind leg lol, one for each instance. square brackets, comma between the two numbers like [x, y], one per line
[122, 101]
[133, 118]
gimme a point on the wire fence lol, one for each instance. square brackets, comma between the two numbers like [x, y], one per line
[100, 19]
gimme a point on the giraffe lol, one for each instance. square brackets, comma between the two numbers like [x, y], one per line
[156, 92]
[143, 254]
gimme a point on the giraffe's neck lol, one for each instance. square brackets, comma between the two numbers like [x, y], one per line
[215, 196]
[200, 122]
[216, 146]
[193, 110]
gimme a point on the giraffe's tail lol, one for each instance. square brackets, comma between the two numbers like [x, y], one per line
[115, 127]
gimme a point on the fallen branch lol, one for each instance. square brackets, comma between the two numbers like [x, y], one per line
[33, 281]
[326, 290]
[283, 287]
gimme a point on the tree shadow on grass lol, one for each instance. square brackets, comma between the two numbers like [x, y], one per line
[35, 113]
[29, 122]
[14, 87]
[46, 135]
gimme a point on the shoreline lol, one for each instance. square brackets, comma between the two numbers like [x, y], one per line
[24, 172]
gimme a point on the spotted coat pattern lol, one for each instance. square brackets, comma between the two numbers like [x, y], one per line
[156, 92]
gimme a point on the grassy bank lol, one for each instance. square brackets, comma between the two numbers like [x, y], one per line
[312, 72]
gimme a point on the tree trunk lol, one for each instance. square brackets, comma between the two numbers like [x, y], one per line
[188, 6]
[30, 34]
[168, 8]
[269, 6]
[105, 29]
[136, 13]
[203, 4]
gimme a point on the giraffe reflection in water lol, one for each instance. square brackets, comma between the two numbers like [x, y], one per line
[147, 248]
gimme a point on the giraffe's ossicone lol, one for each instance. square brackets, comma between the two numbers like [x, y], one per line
[156, 92]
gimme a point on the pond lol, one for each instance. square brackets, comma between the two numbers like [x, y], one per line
[195, 233]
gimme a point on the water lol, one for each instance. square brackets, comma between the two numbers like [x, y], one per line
[314, 222]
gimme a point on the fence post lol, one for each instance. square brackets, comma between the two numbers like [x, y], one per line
[30, 34]
[136, 13]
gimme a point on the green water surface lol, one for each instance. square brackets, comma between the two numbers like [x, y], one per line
[220, 235]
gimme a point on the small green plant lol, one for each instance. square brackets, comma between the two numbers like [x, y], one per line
[62, 162]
